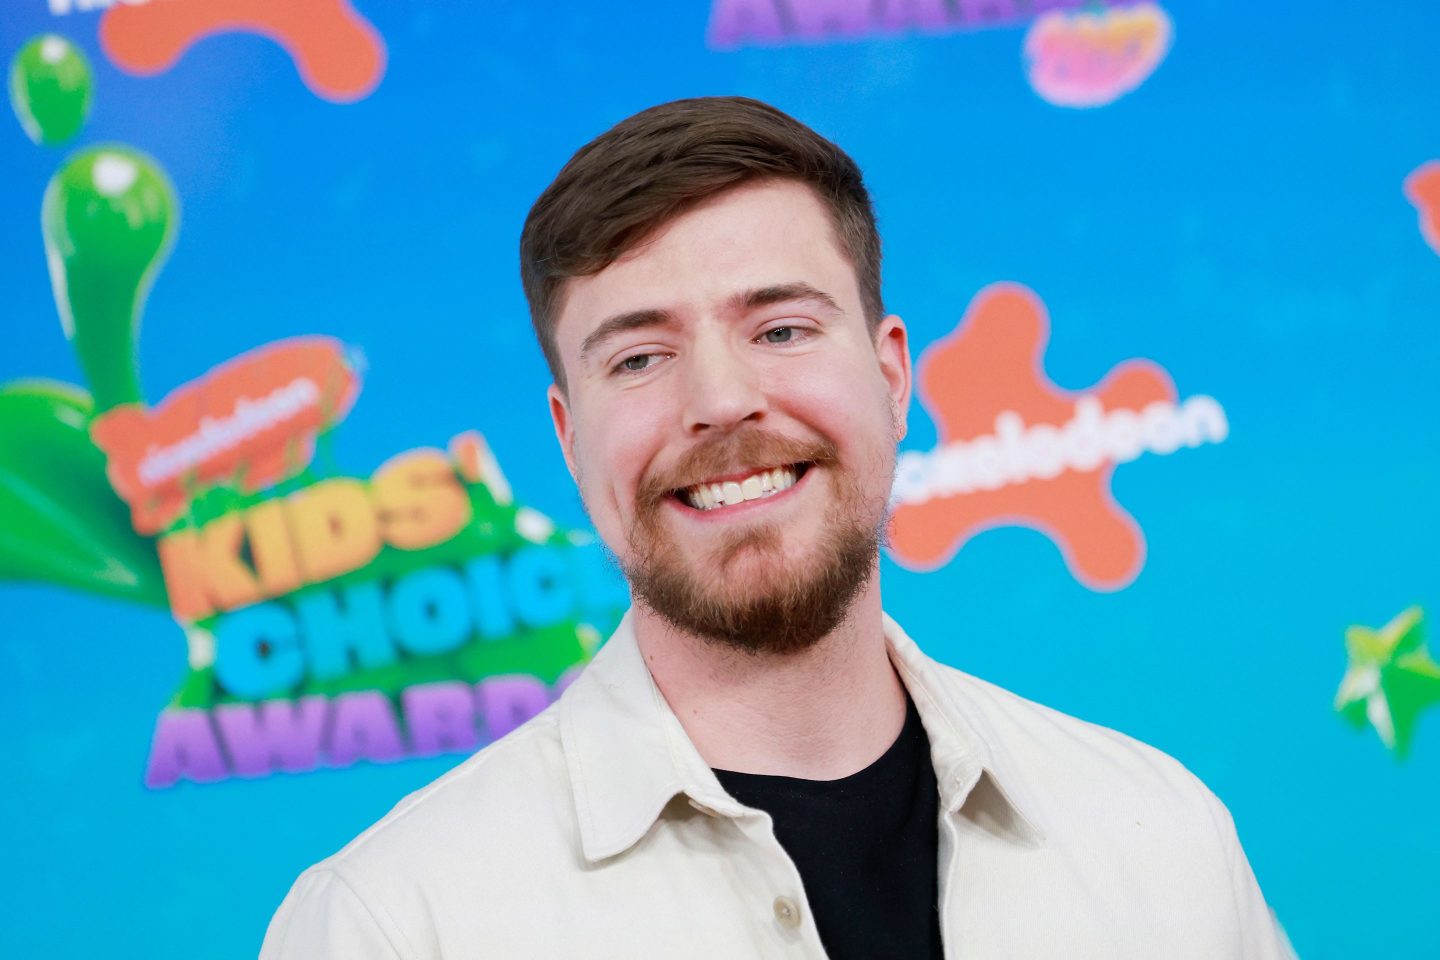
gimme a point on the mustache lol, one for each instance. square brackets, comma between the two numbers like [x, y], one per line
[752, 448]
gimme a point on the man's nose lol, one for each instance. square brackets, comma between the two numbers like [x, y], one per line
[722, 389]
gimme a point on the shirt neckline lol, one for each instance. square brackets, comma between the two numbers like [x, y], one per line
[628, 756]
[882, 768]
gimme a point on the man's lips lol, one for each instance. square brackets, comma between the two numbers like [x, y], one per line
[739, 491]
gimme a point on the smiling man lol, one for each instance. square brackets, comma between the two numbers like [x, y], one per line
[759, 763]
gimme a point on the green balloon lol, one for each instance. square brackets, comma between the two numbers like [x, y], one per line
[63, 522]
[109, 218]
[50, 89]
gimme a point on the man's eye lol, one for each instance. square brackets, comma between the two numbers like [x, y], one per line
[779, 335]
[636, 364]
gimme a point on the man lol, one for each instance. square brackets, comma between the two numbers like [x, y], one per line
[759, 762]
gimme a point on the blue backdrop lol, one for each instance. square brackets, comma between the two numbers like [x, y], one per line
[1238, 219]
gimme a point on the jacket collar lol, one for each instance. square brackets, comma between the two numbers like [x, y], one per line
[628, 756]
[965, 746]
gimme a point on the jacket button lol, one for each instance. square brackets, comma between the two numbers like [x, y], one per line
[787, 911]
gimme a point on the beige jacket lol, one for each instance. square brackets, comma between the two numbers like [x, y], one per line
[596, 830]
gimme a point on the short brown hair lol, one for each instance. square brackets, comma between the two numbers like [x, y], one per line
[651, 167]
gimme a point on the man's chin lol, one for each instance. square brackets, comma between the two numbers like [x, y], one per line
[758, 600]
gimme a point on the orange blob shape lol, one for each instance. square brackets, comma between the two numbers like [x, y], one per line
[338, 53]
[1422, 188]
[991, 365]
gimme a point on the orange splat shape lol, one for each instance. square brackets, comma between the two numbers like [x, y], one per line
[992, 363]
[338, 53]
[1422, 188]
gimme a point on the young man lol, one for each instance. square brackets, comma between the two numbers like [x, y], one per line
[759, 762]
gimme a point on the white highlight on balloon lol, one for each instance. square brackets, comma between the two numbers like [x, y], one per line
[53, 49]
[114, 174]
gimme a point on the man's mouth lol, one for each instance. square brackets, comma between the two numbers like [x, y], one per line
[720, 492]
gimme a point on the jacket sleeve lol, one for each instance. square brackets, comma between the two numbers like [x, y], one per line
[1260, 934]
[323, 917]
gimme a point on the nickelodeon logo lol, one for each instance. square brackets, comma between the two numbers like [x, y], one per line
[252, 423]
[1016, 450]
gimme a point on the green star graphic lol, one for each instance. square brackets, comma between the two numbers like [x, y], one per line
[1391, 678]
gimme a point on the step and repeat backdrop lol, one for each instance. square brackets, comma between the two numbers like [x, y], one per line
[284, 532]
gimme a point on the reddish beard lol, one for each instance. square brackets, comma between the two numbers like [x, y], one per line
[792, 606]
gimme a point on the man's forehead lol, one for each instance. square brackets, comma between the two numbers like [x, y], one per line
[749, 238]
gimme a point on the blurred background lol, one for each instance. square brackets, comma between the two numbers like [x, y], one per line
[1195, 248]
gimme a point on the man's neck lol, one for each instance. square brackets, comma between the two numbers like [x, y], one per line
[821, 714]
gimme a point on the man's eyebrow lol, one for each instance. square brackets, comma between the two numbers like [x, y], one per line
[748, 300]
[785, 293]
[621, 322]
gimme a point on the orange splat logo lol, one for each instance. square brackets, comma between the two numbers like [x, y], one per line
[250, 422]
[1016, 450]
[1422, 188]
[1091, 58]
[339, 54]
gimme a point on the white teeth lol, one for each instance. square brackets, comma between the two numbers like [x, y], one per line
[766, 483]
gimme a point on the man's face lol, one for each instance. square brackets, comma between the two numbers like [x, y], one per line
[730, 420]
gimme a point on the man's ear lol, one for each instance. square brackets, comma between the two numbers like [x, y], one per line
[892, 348]
[564, 426]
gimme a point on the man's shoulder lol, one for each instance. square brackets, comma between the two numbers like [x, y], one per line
[1071, 761]
[508, 801]
[485, 832]
[1115, 806]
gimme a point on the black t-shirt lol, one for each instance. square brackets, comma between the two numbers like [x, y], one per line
[865, 846]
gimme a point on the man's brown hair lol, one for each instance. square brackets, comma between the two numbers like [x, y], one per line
[651, 167]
